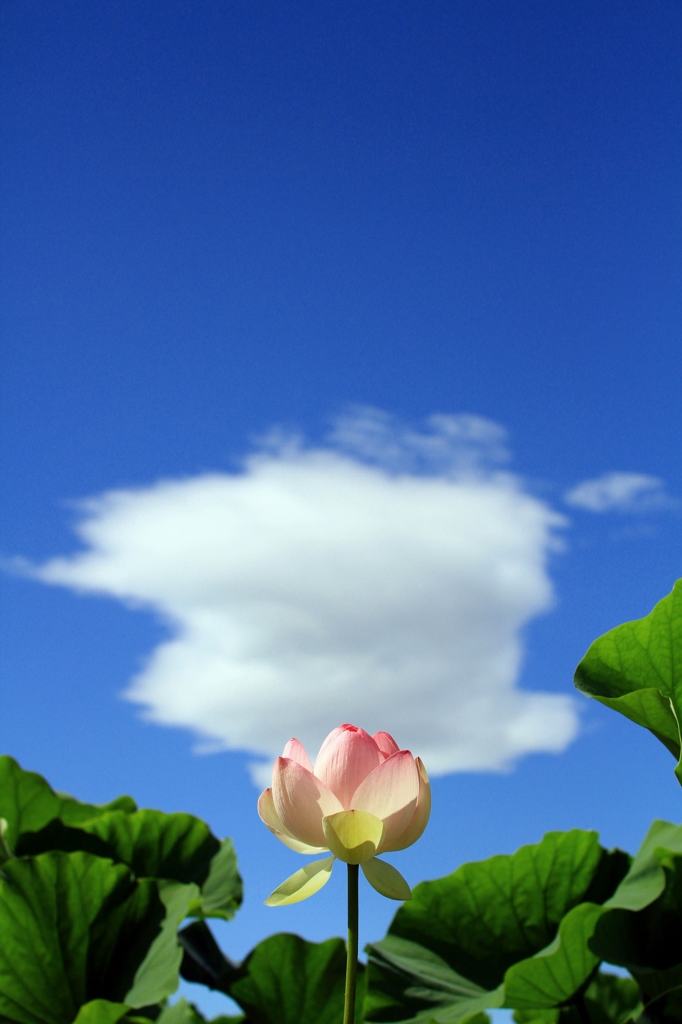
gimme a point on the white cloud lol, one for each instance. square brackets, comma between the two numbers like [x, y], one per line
[450, 446]
[382, 578]
[619, 492]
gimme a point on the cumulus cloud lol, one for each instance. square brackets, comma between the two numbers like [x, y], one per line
[619, 492]
[382, 578]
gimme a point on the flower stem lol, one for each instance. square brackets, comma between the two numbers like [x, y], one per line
[352, 961]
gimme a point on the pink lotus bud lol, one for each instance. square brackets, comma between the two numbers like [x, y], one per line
[364, 796]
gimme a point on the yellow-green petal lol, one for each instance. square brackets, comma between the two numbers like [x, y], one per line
[353, 836]
[302, 884]
[385, 879]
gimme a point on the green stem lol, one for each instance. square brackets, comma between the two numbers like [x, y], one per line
[352, 961]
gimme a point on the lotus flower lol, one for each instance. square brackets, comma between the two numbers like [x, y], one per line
[363, 797]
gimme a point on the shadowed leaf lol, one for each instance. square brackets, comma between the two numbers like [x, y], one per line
[73, 928]
[28, 802]
[178, 847]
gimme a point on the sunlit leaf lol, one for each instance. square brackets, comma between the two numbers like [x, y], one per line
[490, 914]
[159, 973]
[180, 1012]
[493, 922]
[645, 879]
[286, 980]
[640, 927]
[608, 999]
[636, 669]
[556, 973]
[101, 1011]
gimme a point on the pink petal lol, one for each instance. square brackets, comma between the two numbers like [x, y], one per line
[346, 757]
[390, 793]
[297, 752]
[386, 744]
[420, 817]
[301, 801]
[271, 819]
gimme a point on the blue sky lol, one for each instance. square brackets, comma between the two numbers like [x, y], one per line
[249, 252]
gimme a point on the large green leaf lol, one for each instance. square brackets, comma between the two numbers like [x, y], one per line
[608, 999]
[646, 878]
[636, 669]
[502, 928]
[418, 985]
[640, 927]
[286, 980]
[55, 890]
[28, 802]
[153, 845]
[157, 845]
[556, 973]
[490, 914]
[73, 928]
